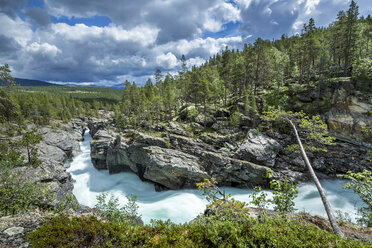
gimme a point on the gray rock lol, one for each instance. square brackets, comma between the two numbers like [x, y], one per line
[185, 112]
[205, 121]
[175, 128]
[99, 146]
[150, 140]
[51, 152]
[171, 168]
[258, 148]
[233, 172]
[14, 230]
[117, 159]
[349, 124]
[95, 125]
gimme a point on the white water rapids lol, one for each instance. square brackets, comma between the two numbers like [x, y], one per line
[183, 205]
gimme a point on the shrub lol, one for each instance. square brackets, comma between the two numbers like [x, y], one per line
[17, 195]
[211, 191]
[361, 183]
[111, 211]
[214, 231]
[284, 192]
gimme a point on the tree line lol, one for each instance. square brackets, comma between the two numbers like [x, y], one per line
[264, 67]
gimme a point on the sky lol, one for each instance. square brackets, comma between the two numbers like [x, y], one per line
[106, 42]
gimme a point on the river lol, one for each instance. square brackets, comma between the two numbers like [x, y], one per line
[183, 205]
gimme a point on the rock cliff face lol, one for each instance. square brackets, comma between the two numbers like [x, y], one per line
[56, 148]
[349, 116]
[173, 161]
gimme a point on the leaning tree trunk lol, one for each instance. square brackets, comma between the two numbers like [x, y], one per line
[327, 206]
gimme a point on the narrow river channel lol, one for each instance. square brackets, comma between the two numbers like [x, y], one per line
[183, 205]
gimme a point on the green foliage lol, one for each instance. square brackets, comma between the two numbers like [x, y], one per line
[192, 113]
[67, 203]
[211, 191]
[223, 230]
[111, 211]
[235, 118]
[260, 200]
[29, 140]
[361, 183]
[40, 105]
[9, 156]
[362, 73]
[284, 192]
[5, 76]
[18, 194]
[312, 129]
[277, 98]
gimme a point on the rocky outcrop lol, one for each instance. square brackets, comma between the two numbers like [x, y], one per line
[340, 158]
[175, 161]
[234, 172]
[171, 168]
[60, 144]
[350, 115]
[94, 125]
[258, 148]
[118, 157]
[347, 123]
[55, 149]
[99, 146]
[14, 228]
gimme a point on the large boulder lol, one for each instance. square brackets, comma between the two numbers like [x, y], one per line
[99, 146]
[59, 144]
[170, 168]
[258, 148]
[233, 172]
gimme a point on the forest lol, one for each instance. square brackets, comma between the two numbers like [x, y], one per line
[263, 74]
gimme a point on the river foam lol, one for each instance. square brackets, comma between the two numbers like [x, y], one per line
[183, 205]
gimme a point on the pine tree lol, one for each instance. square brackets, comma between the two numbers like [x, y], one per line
[350, 35]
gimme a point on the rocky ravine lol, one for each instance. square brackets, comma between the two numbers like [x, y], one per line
[241, 159]
[173, 157]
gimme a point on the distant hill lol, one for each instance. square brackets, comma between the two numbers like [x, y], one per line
[115, 86]
[31, 82]
[28, 82]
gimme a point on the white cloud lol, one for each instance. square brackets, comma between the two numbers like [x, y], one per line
[219, 15]
[197, 61]
[243, 4]
[167, 61]
[45, 49]
[141, 34]
[16, 28]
